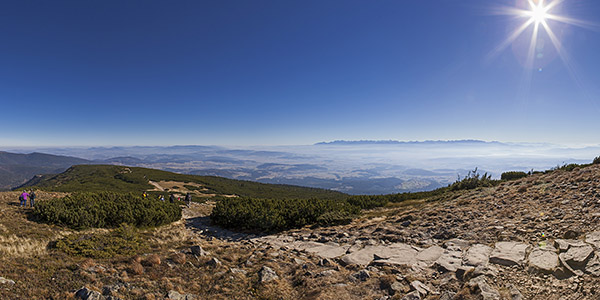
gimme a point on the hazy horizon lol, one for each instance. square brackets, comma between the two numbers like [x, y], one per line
[7, 147]
[351, 167]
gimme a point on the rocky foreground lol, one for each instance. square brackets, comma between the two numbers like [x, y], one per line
[534, 238]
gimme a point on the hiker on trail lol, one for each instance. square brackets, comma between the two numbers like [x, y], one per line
[144, 195]
[188, 199]
[32, 198]
[23, 199]
[172, 198]
[162, 198]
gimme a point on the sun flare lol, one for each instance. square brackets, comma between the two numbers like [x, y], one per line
[538, 13]
[539, 17]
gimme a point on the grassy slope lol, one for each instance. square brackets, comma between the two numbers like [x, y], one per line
[134, 179]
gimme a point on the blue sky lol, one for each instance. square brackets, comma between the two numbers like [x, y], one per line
[291, 72]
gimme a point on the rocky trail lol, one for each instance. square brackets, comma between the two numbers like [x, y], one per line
[535, 238]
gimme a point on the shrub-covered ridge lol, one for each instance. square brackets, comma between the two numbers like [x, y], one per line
[106, 210]
[281, 214]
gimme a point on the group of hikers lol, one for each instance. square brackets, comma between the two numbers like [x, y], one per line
[187, 199]
[27, 196]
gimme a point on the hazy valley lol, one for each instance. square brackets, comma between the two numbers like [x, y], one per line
[358, 167]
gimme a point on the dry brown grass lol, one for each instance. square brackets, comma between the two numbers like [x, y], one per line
[136, 268]
[170, 234]
[14, 246]
[179, 187]
[152, 260]
[178, 258]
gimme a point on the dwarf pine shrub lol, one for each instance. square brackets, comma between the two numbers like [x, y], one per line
[473, 180]
[106, 210]
[369, 201]
[512, 175]
[280, 214]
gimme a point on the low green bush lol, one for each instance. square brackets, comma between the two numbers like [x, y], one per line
[106, 210]
[369, 201]
[280, 214]
[473, 180]
[570, 167]
[332, 218]
[512, 175]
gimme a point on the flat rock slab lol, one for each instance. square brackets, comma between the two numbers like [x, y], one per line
[276, 241]
[430, 255]
[564, 245]
[509, 253]
[457, 245]
[394, 254]
[543, 260]
[577, 257]
[450, 260]
[320, 249]
[477, 255]
[593, 238]
[593, 266]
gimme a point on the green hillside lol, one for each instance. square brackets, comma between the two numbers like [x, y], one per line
[96, 178]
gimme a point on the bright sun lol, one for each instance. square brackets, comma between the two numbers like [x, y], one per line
[538, 13]
[539, 16]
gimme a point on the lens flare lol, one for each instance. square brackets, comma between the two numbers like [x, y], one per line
[539, 17]
[538, 13]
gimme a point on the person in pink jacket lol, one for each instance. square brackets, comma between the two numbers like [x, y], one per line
[23, 199]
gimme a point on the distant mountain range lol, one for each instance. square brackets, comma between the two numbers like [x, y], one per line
[393, 142]
[15, 169]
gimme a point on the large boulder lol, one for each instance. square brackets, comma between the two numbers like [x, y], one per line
[509, 253]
